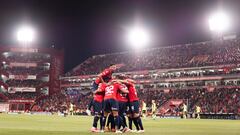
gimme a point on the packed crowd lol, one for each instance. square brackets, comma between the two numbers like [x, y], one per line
[222, 100]
[209, 72]
[84, 100]
[180, 56]
[80, 97]
[54, 103]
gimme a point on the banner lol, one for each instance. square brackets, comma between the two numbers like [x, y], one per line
[23, 77]
[16, 64]
[21, 89]
[176, 102]
[200, 58]
[210, 88]
[166, 90]
[193, 79]
[21, 101]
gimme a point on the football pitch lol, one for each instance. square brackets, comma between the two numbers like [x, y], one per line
[80, 125]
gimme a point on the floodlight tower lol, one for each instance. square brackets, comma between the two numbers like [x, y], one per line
[138, 37]
[219, 23]
[25, 35]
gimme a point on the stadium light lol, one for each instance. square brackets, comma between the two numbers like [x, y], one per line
[138, 37]
[25, 34]
[219, 22]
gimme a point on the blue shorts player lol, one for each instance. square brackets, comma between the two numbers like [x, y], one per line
[133, 106]
[97, 104]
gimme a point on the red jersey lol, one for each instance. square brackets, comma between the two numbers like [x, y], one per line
[99, 96]
[122, 97]
[106, 74]
[132, 92]
[110, 92]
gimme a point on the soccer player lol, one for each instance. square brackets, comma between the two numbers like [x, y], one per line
[111, 103]
[154, 108]
[88, 111]
[123, 101]
[198, 111]
[133, 106]
[184, 111]
[144, 109]
[71, 109]
[97, 108]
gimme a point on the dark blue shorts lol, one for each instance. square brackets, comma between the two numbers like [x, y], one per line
[122, 107]
[128, 110]
[134, 107]
[110, 105]
[94, 86]
[97, 107]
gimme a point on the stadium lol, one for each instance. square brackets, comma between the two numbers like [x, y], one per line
[182, 88]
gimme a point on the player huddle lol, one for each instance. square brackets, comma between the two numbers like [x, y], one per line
[115, 98]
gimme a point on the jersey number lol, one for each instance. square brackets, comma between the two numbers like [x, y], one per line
[109, 90]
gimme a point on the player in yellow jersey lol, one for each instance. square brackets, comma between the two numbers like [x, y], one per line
[198, 111]
[71, 109]
[184, 111]
[144, 109]
[154, 109]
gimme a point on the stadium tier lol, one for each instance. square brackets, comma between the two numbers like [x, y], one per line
[204, 74]
[211, 53]
[27, 75]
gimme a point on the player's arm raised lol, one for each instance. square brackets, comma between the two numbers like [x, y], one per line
[100, 78]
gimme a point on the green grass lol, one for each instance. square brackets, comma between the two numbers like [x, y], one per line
[73, 125]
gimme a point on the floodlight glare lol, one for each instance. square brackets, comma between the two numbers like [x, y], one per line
[219, 22]
[138, 37]
[25, 34]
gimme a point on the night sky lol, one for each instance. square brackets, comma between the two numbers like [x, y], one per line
[88, 27]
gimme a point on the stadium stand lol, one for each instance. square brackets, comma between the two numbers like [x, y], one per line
[210, 53]
[54, 103]
[28, 75]
[204, 74]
